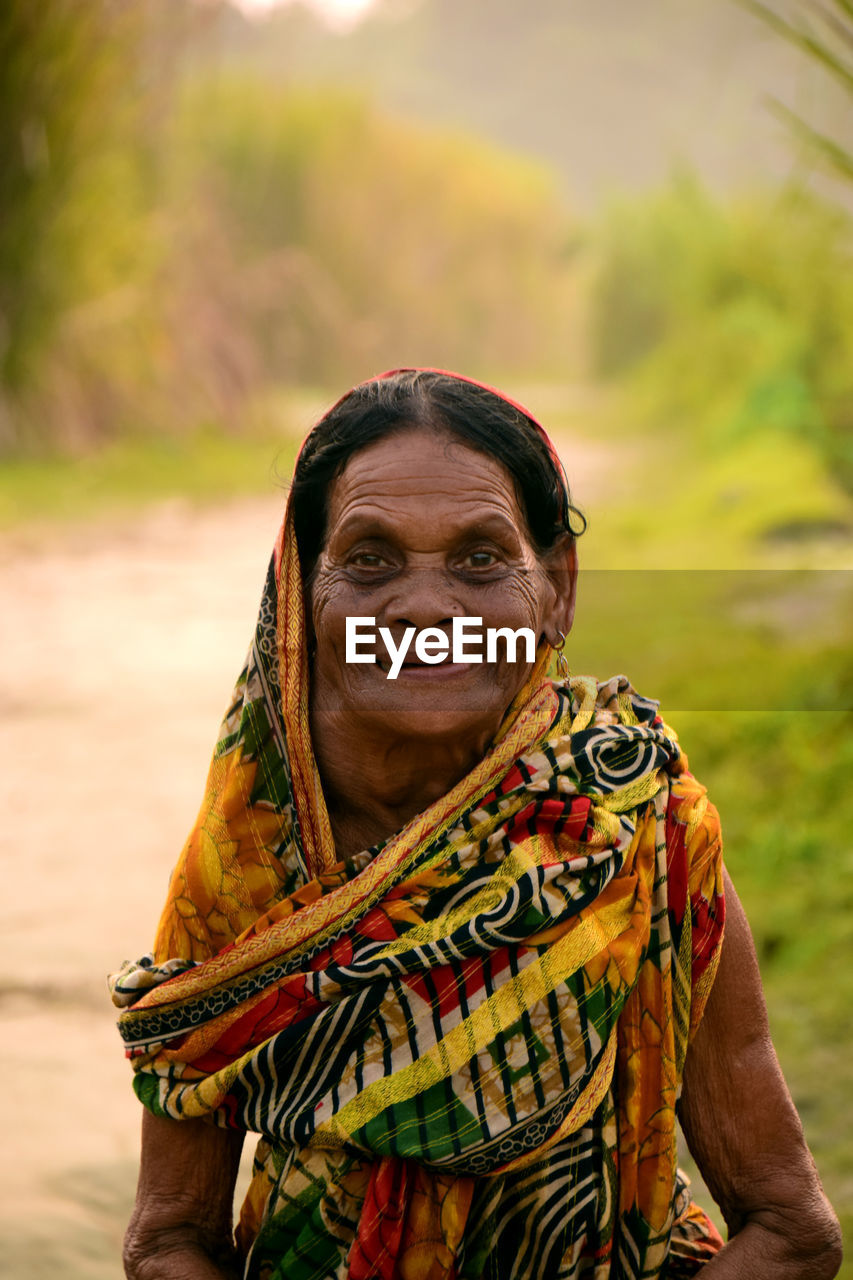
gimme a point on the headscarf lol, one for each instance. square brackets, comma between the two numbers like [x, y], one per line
[463, 1047]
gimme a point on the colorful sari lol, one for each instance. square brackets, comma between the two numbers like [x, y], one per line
[463, 1048]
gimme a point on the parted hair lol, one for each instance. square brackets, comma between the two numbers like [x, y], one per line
[431, 401]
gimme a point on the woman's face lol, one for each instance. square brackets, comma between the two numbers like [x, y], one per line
[421, 530]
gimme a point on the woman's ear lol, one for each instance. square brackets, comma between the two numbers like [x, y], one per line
[561, 566]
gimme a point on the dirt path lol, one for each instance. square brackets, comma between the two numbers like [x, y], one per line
[119, 646]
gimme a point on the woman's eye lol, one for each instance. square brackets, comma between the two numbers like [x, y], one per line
[368, 560]
[480, 559]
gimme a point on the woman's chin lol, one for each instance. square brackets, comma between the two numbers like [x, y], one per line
[433, 723]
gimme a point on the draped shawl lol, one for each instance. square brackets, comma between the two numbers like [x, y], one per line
[462, 1048]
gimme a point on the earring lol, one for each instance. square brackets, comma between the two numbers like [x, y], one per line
[562, 664]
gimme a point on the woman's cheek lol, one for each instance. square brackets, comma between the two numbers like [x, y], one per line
[512, 602]
[328, 609]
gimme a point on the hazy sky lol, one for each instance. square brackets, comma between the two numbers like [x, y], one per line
[338, 12]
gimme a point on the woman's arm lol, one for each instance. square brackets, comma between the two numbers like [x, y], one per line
[745, 1134]
[181, 1228]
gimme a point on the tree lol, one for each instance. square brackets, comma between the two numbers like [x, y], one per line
[823, 30]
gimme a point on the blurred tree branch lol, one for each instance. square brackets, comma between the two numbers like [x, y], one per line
[823, 31]
[835, 155]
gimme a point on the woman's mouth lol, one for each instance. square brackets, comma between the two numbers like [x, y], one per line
[428, 671]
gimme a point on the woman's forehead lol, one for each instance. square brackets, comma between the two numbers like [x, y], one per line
[427, 473]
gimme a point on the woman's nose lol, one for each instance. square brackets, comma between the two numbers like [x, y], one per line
[422, 598]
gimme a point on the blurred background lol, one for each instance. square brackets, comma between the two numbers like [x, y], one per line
[213, 219]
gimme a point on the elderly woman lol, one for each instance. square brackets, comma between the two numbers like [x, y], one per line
[448, 932]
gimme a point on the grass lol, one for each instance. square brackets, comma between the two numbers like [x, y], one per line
[762, 502]
[202, 467]
[780, 780]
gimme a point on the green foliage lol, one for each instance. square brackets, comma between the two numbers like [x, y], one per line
[728, 321]
[52, 76]
[79, 247]
[779, 779]
[171, 251]
[347, 240]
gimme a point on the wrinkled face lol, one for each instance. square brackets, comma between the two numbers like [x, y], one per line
[422, 530]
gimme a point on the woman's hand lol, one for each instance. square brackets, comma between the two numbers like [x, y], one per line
[181, 1228]
[745, 1134]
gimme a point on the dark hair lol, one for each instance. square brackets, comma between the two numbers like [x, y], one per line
[431, 401]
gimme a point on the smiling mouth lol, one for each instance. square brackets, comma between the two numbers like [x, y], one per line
[427, 670]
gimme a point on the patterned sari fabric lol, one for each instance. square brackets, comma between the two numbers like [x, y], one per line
[463, 1048]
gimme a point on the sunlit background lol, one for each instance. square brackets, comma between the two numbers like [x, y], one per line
[213, 219]
[340, 14]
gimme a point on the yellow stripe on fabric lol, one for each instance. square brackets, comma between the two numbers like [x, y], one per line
[585, 1107]
[318, 844]
[697, 815]
[591, 935]
[681, 989]
[503, 879]
[517, 706]
[604, 824]
[626, 711]
[632, 795]
[201, 1099]
[585, 689]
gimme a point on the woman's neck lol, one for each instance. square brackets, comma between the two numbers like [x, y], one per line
[378, 783]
